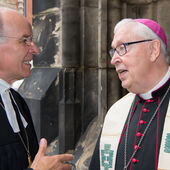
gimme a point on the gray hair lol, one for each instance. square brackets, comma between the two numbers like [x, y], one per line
[2, 10]
[2, 39]
[142, 30]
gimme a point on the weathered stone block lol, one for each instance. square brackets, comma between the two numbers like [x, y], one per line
[70, 115]
[139, 2]
[139, 11]
[163, 15]
[41, 5]
[70, 37]
[70, 3]
[90, 95]
[91, 3]
[113, 83]
[91, 37]
[47, 32]
[37, 90]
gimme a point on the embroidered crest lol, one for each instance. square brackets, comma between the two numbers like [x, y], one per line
[107, 157]
[167, 143]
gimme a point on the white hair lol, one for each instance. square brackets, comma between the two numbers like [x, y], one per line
[142, 30]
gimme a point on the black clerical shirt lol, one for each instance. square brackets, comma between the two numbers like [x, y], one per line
[13, 155]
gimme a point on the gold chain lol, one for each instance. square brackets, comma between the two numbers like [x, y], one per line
[26, 147]
[2, 105]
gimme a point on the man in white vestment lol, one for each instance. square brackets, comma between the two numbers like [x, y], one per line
[136, 130]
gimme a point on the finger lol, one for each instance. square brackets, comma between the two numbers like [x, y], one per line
[71, 163]
[65, 157]
[67, 166]
[42, 147]
[40, 153]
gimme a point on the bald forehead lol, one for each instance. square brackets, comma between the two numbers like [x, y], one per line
[10, 19]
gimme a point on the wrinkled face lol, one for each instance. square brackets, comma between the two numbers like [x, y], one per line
[15, 53]
[133, 67]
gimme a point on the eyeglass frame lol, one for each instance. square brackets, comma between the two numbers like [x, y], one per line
[113, 50]
[27, 40]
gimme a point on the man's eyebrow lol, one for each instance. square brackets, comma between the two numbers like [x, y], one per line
[118, 43]
[27, 35]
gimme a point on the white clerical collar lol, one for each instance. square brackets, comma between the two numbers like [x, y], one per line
[4, 86]
[10, 112]
[148, 95]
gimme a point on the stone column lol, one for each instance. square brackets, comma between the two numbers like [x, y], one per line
[69, 105]
[102, 60]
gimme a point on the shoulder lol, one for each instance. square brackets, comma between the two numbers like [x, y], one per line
[121, 106]
[21, 103]
[124, 101]
[18, 97]
[16, 94]
[117, 114]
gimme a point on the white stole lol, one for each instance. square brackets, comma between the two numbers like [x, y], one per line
[164, 156]
[110, 137]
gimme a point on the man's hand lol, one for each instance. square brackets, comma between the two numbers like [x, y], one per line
[56, 162]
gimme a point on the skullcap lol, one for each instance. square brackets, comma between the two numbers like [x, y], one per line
[155, 27]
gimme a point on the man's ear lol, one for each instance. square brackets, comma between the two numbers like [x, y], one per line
[155, 50]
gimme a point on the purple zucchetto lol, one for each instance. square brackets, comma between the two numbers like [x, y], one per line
[155, 27]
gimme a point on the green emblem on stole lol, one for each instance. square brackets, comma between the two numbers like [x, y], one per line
[167, 143]
[107, 157]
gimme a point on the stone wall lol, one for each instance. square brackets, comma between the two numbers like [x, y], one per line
[14, 4]
[74, 38]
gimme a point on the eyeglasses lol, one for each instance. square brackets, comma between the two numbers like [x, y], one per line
[26, 40]
[122, 50]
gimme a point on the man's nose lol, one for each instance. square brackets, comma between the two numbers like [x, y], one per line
[33, 48]
[115, 59]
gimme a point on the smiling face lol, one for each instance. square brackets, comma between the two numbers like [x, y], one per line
[15, 55]
[134, 67]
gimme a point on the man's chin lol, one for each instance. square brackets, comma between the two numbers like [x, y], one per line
[125, 85]
[27, 74]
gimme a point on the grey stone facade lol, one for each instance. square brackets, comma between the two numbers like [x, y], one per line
[73, 83]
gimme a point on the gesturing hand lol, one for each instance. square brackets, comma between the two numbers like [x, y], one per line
[56, 162]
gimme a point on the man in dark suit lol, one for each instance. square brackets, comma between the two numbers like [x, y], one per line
[18, 141]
